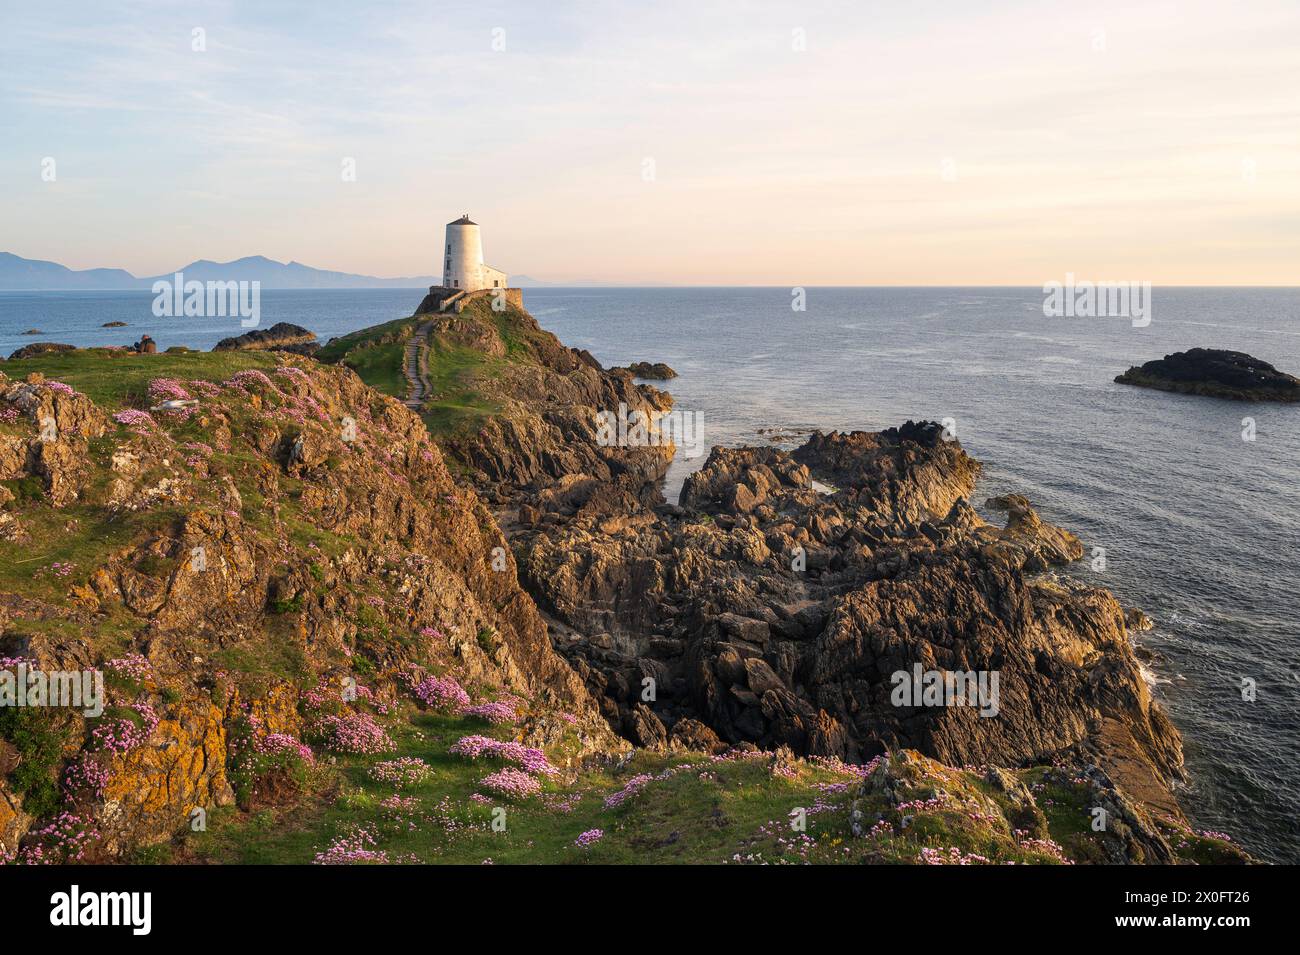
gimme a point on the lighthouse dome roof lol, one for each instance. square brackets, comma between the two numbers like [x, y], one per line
[463, 220]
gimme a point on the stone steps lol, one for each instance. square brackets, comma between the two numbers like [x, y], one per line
[417, 386]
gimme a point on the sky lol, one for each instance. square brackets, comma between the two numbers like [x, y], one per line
[689, 143]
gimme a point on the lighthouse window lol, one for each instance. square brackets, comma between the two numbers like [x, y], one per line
[449, 248]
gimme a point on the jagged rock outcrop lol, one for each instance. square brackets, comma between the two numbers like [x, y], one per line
[739, 480]
[52, 444]
[1061, 657]
[1043, 544]
[905, 473]
[778, 614]
[1215, 373]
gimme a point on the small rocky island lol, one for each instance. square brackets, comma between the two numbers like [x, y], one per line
[282, 336]
[1217, 374]
[649, 371]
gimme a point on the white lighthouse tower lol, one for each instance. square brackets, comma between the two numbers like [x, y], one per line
[463, 267]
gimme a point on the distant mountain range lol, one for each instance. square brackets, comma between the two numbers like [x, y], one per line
[19, 274]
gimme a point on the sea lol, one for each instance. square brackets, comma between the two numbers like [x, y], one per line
[1192, 503]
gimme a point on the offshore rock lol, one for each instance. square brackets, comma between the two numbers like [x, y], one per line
[1217, 374]
[282, 336]
[656, 371]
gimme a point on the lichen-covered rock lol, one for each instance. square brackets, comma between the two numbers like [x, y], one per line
[57, 424]
[153, 790]
[14, 823]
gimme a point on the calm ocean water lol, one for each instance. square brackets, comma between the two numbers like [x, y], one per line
[1201, 528]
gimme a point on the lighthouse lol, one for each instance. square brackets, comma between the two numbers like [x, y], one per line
[463, 267]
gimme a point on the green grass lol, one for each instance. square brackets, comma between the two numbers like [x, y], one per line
[683, 818]
[25, 490]
[39, 735]
[455, 404]
[377, 354]
[84, 535]
[514, 336]
[269, 657]
[696, 810]
[398, 330]
[111, 379]
[380, 366]
[459, 376]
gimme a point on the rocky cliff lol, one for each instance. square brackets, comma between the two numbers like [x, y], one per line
[272, 561]
[764, 610]
[516, 411]
[284, 527]
[777, 614]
